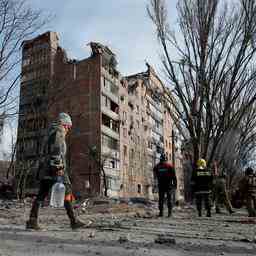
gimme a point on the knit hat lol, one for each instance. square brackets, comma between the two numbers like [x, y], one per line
[65, 119]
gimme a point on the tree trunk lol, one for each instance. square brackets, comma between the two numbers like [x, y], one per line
[105, 182]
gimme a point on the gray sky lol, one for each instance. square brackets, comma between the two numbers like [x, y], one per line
[123, 25]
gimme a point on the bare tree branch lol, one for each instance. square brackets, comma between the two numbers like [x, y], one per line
[213, 81]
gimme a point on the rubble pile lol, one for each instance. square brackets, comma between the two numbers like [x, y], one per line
[17, 211]
[112, 206]
[124, 224]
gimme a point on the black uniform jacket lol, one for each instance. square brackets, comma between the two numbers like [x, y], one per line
[165, 174]
[202, 180]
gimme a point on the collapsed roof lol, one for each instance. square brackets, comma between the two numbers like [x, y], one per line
[109, 58]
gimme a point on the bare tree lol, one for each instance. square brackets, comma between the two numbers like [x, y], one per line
[2, 119]
[100, 160]
[213, 82]
[18, 21]
[247, 140]
[237, 147]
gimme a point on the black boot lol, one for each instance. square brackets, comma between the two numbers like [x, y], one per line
[208, 213]
[169, 212]
[199, 205]
[231, 211]
[161, 205]
[218, 211]
[74, 222]
[32, 223]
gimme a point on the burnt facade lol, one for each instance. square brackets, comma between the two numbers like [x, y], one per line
[119, 124]
[36, 72]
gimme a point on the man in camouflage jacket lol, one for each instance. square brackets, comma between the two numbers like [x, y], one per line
[53, 166]
[220, 194]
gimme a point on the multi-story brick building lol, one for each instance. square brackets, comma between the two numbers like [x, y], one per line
[119, 124]
[37, 70]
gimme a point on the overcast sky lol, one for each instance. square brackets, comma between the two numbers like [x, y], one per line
[123, 25]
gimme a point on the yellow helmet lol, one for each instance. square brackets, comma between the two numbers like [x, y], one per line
[201, 163]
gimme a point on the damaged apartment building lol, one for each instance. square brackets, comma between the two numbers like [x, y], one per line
[146, 130]
[120, 125]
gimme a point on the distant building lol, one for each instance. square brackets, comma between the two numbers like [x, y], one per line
[119, 123]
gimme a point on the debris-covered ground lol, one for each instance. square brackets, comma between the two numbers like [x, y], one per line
[121, 228]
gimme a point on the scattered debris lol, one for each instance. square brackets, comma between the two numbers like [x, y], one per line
[165, 239]
[119, 224]
[91, 234]
[246, 240]
[248, 220]
[124, 238]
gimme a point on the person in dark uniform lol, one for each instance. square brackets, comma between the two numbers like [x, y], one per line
[249, 191]
[167, 181]
[202, 180]
[53, 166]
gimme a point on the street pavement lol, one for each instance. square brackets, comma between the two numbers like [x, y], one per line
[135, 233]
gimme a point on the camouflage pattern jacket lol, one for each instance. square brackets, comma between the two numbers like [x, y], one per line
[54, 155]
[219, 185]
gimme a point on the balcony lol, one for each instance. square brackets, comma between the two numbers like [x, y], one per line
[105, 150]
[156, 116]
[110, 126]
[108, 131]
[112, 172]
[113, 115]
[154, 103]
[110, 94]
[157, 130]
